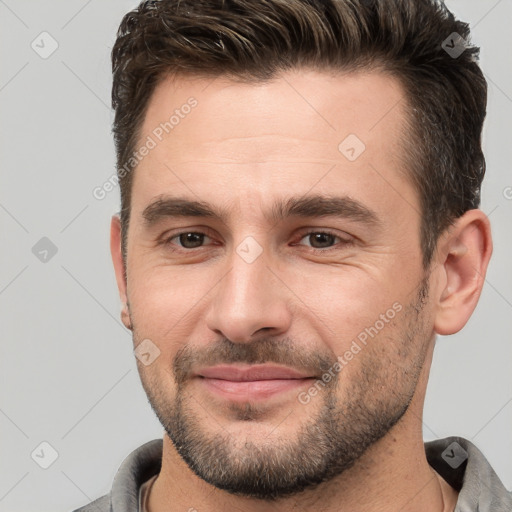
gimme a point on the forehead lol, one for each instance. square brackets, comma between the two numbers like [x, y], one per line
[300, 130]
[302, 104]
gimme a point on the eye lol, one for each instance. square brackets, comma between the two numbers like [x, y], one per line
[187, 239]
[324, 240]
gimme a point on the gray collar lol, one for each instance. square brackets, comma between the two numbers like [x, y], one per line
[457, 460]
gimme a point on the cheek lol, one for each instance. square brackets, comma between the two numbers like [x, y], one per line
[337, 304]
[349, 303]
[163, 292]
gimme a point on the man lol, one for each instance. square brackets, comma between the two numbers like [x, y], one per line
[300, 183]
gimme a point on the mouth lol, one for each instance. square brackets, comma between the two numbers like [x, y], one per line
[251, 382]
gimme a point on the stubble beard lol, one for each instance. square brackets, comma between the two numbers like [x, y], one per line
[324, 446]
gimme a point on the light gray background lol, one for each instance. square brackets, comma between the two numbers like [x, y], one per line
[68, 373]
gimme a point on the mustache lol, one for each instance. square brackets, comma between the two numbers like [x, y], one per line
[283, 352]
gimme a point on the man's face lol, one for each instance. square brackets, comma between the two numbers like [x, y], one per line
[326, 303]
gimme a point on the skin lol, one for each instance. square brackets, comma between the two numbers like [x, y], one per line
[241, 148]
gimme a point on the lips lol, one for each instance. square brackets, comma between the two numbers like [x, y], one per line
[251, 382]
[250, 373]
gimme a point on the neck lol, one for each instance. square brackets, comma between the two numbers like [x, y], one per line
[384, 475]
[394, 472]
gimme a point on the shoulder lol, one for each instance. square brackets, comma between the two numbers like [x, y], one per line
[468, 471]
[139, 466]
[100, 505]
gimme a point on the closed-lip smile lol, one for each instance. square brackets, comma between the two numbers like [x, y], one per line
[250, 382]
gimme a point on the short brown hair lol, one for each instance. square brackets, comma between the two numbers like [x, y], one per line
[253, 40]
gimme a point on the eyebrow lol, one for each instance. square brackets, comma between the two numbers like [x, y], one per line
[297, 206]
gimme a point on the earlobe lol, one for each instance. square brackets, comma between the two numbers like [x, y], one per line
[465, 252]
[117, 260]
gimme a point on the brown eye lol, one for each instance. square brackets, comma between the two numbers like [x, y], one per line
[191, 240]
[324, 241]
[321, 240]
[187, 240]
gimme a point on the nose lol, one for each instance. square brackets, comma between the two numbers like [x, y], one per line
[249, 301]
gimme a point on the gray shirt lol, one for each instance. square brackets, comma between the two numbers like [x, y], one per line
[457, 460]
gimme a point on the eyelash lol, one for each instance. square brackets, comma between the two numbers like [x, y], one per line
[345, 242]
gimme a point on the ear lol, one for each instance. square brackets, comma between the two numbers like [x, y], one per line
[464, 252]
[119, 268]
